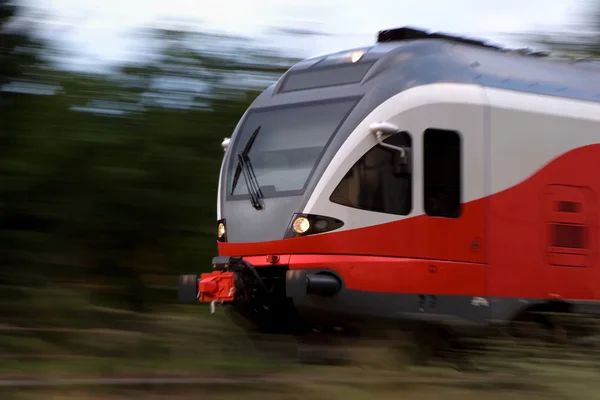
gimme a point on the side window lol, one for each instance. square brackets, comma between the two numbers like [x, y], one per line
[380, 181]
[441, 173]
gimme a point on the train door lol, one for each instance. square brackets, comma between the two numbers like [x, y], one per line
[454, 207]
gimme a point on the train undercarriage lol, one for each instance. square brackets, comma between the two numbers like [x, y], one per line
[255, 299]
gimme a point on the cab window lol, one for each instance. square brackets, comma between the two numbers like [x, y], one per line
[380, 181]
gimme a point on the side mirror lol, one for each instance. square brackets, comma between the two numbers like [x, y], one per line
[385, 128]
[379, 129]
[225, 144]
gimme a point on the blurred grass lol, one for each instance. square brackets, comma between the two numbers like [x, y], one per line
[188, 341]
[177, 340]
[180, 339]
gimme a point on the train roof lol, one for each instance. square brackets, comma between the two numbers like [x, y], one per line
[422, 57]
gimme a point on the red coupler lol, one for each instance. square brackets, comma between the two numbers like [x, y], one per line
[217, 285]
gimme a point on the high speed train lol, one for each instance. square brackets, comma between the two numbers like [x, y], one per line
[427, 177]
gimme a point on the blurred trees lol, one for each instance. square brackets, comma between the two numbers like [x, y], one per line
[21, 90]
[584, 41]
[109, 180]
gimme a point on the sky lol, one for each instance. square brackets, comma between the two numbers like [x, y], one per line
[100, 31]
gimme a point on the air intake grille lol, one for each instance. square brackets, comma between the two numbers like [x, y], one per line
[569, 236]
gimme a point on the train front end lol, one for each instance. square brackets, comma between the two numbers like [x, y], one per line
[292, 224]
[271, 166]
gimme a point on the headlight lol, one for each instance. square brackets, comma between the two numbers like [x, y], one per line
[355, 56]
[301, 225]
[221, 231]
[306, 224]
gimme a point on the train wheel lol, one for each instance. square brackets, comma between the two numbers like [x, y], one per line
[531, 325]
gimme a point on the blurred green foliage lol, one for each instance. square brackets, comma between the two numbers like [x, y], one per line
[108, 181]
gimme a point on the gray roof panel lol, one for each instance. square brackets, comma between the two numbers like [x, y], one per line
[408, 57]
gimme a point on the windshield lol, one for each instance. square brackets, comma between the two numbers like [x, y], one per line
[290, 142]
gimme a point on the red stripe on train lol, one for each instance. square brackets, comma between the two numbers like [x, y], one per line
[537, 239]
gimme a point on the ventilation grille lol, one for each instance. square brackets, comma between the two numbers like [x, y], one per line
[569, 226]
[568, 206]
[568, 236]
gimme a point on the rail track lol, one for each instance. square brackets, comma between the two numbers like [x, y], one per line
[279, 379]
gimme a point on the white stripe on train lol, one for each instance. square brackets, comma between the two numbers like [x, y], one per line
[529, 131]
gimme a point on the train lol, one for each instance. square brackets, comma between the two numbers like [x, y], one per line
[427, 178]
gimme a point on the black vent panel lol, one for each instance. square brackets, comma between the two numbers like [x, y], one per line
[568, 236]
[569, 220]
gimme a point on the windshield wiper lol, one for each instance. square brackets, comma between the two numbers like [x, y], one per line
[238, 168]
[244, 165]
[251, 181]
